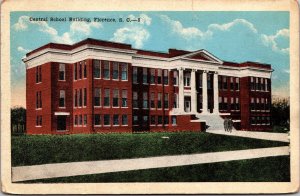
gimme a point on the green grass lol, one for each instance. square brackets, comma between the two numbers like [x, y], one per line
[41, 149]
[271, 169]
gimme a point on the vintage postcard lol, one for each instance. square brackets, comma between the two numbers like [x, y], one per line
[149, 97]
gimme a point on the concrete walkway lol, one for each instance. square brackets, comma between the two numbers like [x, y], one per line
[281, 137]
[24, 173]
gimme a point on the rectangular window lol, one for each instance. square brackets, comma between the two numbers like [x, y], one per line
[159, 101]
[39, 99]
[257, 104]
[62, 97]
[79, 119]
[166, 120]
[252, 104]
[124, 119]
[85, 120]
[220, 103]
[62, 70]
[97, 68]
[115, 119]
[145, 75]
[159, 120]
[209, 81]
[152, 102]
[97, 120]
[159, 75]
[152, 120]
[174, 120]
[266, 84]
[262, 103]
[145, 120]
[220, 82]
[175, 78]
[166, 101]
[166, 77]
[257, 84]
[80, 98]
[75, 98]
[187, 79]
[152, 76]
[116, 98]
[237, 104]
[232, 105]
[225, 104]
[267, 104]
[124, 69]
[106, 71]
[263, 86]
[135, 120]
[252, 84]
[224, 82]
[106, 119]
[76, 120]
[39, 120]
[38, 74]
[106, 97]
[124, 98]
[84, 97]
[135, 100]
[97, 97]
[75, 71]
[84, 70]
[252, 120]
[231, 84]
[237, 84]
[115, 71]
[134, 75]
[80, 70]
[145, 99]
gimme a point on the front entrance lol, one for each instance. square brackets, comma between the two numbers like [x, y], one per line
[61, 123]
[187, 104]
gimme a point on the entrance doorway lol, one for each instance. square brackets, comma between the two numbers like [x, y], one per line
[187, 104]
[61, 123]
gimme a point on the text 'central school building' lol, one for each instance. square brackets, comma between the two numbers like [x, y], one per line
[99, 86]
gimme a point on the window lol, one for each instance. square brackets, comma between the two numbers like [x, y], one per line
[62, 98]
[135, 100]
[209, 81]
[97, 120]
[237, 84]
[106, 70]
[252, 104]
[159, 101]
[61, 72]
[252, 84]
[115, 119]
[79, 119]
[39, 120]
[38, 74]
[187, 79]
[175, 78]
[135, 120]
[38, 99]
[124, 119]
[75, 71]
[124, 69]
[145, 120]
[262, 103]
[145, 99]
[266, 84]
[76, 120]
[134, 75]
[159, 72]
[115, 71]
[106, 98]
[159, 120]
[166, 101]
[166, 77]
[97, 97]
[252, 120]
[152, 103]
[166, 120]
[75, 98]
[84, 97]
[220, 82]
[152, 76]
[152, 120]
[224, 82]
[85, 120]
[124, 98]
[84, 70]
[225, 106]
[145, 76]
[106, 119]
[257, 104]
[231, 84]
[267, 104]
[268, 121]
[80, 70]
[97, 68]
[116, 98]
[80, 98]
[174, 120]
[232, 105]
[237, 104]
[263, 86]
[257, 84]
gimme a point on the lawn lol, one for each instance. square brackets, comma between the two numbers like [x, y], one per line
[271, 169]
[41, 149]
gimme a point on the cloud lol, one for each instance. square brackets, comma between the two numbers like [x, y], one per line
[135, 33]
[76, 29]
[272, 40]
[236, 22]
[23, 50]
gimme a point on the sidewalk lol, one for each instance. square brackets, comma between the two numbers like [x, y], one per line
[24, 173]
[281, 137]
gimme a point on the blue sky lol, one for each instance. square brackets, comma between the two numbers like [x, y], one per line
[231, 36]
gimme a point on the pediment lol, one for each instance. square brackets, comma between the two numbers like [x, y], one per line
[202, 55]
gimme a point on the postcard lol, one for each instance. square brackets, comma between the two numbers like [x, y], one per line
[155, 97]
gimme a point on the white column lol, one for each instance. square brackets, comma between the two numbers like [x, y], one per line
[193, 92]
[181, 91]
[216, 94]
[204, 92]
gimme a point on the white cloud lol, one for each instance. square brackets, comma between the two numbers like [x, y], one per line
[270, 40]
[23, 50]
[228, 26]
[76, 28]
[135, 33]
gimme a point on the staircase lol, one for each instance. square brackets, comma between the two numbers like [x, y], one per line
[213, 121]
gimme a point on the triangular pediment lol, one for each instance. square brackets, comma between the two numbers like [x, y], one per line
[202, 55]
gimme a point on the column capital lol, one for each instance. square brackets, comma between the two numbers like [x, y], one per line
[181, 68]
[205, 71]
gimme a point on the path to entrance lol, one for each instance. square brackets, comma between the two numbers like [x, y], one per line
[281, 137]
[24, 173]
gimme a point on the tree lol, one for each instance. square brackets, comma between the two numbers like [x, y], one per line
[281, 112]
[18, 119]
